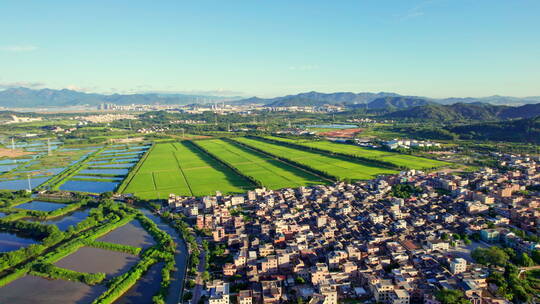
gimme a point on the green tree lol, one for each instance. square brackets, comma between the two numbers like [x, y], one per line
[525, 260]
[187, 296]
[490, 256]
[536, 256]
[205, 276]
[451, 296]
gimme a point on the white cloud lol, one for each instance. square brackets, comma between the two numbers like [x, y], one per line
[18, 48]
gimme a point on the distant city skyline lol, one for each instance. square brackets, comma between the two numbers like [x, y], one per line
[432, 48]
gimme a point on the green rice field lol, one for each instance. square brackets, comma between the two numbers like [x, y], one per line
[182, 169]
[270, 172]
[401, 160]
[331, 165]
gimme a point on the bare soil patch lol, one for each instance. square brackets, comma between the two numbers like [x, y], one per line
[13, 153]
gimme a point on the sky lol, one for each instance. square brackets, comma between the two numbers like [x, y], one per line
[435, 48]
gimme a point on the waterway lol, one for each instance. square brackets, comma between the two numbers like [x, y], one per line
[147, 286]
[181, 256]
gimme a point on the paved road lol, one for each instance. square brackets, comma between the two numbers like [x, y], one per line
[464, 251]
[197, 290]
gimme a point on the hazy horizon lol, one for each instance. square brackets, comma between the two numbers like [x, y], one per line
[432, 48]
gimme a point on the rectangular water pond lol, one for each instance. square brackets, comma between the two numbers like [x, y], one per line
[147, 286]
[22, 184]
[40, 206]
[105, 171]
[132, 234]
[12, 161]
[119, 166]
[100, 177]
[32, 289]
[11, 242]
[5, 168]
[88, 186]
[89, 259]
[65, 221]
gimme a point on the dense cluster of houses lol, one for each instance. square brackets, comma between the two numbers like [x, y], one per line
[329, 243]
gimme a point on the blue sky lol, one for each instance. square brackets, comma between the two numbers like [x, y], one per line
[434, 48]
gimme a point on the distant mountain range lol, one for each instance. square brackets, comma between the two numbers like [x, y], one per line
[317, 99]
[376, 100]
[27, 98]
[464, 111]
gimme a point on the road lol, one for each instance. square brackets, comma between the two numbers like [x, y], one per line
[199, 284]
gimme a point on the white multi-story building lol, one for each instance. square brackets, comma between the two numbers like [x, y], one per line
[458, 265]
[219, 293]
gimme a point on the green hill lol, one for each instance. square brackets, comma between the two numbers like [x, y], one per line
[465, 112]
[522, 130]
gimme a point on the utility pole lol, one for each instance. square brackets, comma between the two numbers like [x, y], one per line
[29, 184]
[12, 143]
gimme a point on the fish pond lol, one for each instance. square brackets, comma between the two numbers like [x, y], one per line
[89, 259]
[105, 171]
[32, 289]
[11, 241]
[65, 221]
[22, 184]
[88, 186]
[40, 206]
[132, 234]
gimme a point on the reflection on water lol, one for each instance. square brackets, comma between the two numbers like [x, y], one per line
[124, 165]
[180, 257]
[88, 186]
[5, 168]
[11, 161]
[132, 234]
[11, 242]
[65, 221]
[105, 171]
[32, 289]
[146, 287]
[40, 206]
[93, 176]
[88, 259]
[22, 184]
